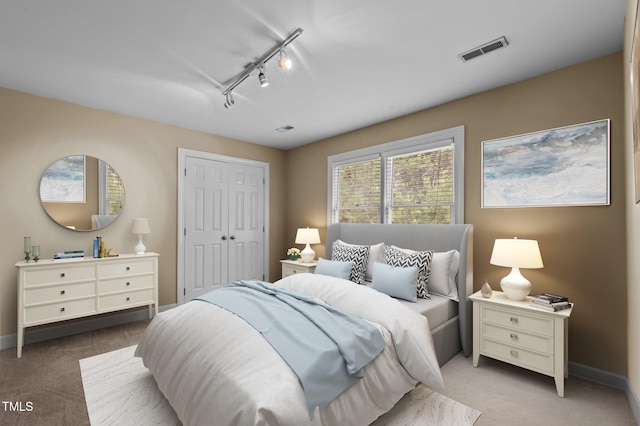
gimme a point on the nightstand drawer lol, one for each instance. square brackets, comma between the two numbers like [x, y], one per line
[515, 320]
[292, 269]
[518, 338]
[59, 311]
[58, 293]
[518, 356]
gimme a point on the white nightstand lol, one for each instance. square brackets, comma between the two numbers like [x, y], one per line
[520, 334]
[290, 267]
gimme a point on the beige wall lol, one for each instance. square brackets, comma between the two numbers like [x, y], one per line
[633, 220]
[35, 131]
[583, 248]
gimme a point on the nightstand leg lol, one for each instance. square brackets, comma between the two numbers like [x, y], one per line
[20, 341]
[560, 385]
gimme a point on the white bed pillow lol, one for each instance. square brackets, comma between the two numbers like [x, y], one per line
[357, 255]
[442, 279]
[396, 256]
[395, 281]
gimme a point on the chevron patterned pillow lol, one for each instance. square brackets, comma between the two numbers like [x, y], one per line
[357, 255]
[396, 256]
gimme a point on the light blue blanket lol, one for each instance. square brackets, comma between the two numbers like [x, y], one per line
[326, 348]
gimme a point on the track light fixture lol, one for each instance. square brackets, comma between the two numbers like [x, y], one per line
[229, 102]
[262, 78]
[283, 62]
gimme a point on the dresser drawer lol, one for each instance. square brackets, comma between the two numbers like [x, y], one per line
[518, 338]
[125, 283]
[120, 268]
[59, 311]
[66, 274]
[518, 356]
[517, 320]
[125, 299]
[59, 292]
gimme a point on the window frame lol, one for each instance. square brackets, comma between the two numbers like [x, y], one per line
[453, 136]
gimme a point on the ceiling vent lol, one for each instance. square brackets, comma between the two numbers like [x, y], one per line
[484, 49]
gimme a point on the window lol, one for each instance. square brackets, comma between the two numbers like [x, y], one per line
[110, 190]
[416, 180]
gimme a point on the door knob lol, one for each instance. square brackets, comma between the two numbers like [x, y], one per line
[224, 238]
[233, 237]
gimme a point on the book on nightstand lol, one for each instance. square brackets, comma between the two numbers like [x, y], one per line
[550, 302]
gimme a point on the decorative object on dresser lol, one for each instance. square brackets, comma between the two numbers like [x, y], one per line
[27, 249]
[520, 334]
[516, 254]
[308, 236]
[291, 267]
[56, 290]
[486, 289]
[140, 227]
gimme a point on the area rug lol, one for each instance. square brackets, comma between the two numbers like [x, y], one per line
[119, 390]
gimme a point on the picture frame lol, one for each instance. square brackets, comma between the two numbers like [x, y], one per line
[564, 166]
[635, 100]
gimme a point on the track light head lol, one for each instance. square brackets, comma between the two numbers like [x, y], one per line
[262, 78]
[229, 102]
[283, 60]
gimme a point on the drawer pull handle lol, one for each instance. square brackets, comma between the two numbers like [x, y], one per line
[514, 320]
[128, 268]
[513, 336]
[128, 298]
[61, 309]
[61, 274]
[514, 353]
[128, 283]
[62, 291]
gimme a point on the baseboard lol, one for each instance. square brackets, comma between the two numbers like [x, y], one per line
[608, 379]
[78, 326]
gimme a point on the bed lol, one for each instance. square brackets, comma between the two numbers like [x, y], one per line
[450, 321]
[214, 367]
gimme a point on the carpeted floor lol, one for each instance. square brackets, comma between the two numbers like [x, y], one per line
[48, 376]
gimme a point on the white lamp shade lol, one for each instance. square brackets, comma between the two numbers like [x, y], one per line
[140, 226]
[516, 254]
[307, 236]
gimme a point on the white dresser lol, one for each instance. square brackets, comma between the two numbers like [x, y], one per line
[520, 334]
[51, 291]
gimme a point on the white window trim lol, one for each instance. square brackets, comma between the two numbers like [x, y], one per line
[404, 146]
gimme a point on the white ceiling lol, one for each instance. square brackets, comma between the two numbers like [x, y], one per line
[358, 62]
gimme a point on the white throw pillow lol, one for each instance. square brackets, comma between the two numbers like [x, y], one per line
[444, 268]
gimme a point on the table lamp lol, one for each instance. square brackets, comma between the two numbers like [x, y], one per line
[140, 227]
[307, 236]
[516, 254]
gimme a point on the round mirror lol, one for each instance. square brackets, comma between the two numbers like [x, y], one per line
[82, 193]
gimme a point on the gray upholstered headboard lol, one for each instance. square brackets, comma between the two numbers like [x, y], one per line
[421, 237]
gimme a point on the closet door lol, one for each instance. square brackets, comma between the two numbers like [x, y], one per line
[206, 248]
[246, 222]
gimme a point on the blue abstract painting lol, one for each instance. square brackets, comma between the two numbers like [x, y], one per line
[567, 166]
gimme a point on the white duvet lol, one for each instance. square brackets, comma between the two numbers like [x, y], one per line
[216, 369]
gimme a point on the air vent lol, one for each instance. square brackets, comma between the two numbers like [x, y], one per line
[484, 49]
[284, 129]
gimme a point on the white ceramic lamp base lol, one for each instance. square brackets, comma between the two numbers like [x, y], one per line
[139, 248]
[515, 286]
[307, 255]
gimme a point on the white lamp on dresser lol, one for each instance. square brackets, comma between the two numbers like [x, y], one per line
[140, 227]
[307, 236]
[516, 254]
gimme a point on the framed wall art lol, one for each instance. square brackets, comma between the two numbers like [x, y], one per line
[566, 166]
